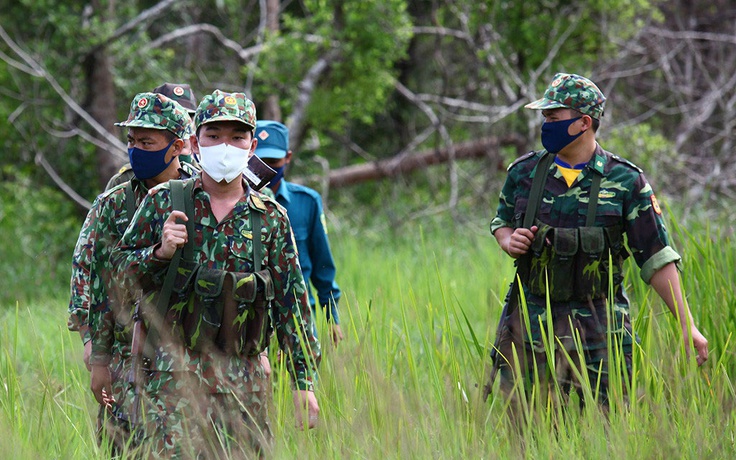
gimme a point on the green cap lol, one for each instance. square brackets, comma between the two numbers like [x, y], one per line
[572, 91]
[181, 93]
[222, 106]
[156, 111]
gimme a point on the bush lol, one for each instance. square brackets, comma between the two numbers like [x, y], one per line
[39, 226]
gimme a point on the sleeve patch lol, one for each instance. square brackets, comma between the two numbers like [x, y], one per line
[655, 205]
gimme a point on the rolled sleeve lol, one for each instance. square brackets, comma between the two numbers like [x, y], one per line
[657, 261]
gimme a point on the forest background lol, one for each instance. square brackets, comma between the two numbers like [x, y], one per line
[403, 114]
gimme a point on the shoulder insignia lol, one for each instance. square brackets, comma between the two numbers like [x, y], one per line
[257, 200]
[522, 158]
[126, 167]
[626, 162]
[655, 205]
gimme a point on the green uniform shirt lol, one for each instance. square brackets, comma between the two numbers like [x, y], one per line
[625, 198]
[226, 245]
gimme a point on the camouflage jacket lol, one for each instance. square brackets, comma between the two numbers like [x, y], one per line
[88, 291]
[625, 198]
[226, 245]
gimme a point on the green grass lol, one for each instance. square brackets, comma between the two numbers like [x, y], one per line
[419, 311]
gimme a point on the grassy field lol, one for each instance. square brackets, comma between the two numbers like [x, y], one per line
[419, 311]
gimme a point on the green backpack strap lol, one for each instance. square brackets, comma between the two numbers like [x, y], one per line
[130, 204]
[593, 199]
[181, 200]
[255, 228]
[535, 195]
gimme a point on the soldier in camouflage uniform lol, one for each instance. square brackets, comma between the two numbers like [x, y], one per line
[209, 397]
[183, 94]
[564, 255]
[157, 128]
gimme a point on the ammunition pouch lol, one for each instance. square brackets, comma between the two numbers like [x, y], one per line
[573, 263]
[252, 293]
[215, 309]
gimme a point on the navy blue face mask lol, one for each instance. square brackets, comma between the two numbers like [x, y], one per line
[277, 178]
[555, 136]
[147, 164]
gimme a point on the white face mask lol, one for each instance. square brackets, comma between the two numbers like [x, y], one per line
[223, 161]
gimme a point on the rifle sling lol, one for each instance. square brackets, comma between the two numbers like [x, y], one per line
[181, 200]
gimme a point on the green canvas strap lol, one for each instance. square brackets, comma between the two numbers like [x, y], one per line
[535, 195]
[181, 200]
[256, 235]
[130, 204]
[593, 199]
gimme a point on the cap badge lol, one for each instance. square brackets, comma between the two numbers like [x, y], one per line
[142, 103]
[263, 135]
[179, 91]
[229, 100]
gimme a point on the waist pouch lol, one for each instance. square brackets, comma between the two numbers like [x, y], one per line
[572, 263]
[216, 309]
[201, 316]
[252, 294]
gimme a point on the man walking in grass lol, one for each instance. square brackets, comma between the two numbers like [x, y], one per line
[236, 276]
[569, 215]
[304, 207]
[157, 128]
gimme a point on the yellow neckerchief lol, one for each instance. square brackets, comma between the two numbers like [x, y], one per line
[570, 173]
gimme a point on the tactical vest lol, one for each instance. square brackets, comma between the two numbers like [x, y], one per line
[570, 263]
[210, 309]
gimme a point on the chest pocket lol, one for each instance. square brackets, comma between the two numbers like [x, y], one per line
[241, 249]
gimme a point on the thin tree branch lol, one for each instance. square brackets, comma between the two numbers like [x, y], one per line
[116, 146]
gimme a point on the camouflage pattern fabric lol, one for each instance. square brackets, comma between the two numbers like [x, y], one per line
[592, 326]
[81, 278]
[179, 92]
[124, 174]
[222, 106]
[185, 379]
[573, 92]
[94, 302]
[156, 111]
[626, 199]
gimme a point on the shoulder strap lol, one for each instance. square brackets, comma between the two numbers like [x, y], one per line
[181, 200]
[255, 228]
[593, 199]
[130, 204]
[535, 195]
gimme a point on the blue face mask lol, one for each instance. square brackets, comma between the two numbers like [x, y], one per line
[277, 178]
[147, 164]
[555, 136]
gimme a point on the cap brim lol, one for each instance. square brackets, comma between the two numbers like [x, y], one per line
[226, 118]
[270, 152]
[543, 103]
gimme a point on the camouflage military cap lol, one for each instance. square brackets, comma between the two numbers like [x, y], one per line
[156, 111]
[181, 93]
[573, 92]
[222, 106]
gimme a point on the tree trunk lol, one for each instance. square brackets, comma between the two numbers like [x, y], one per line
[101, 102]
[390, 167]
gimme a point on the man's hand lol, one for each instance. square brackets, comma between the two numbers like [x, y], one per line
[87, 354]
[699, 342]
[305, 403]
[101, 385]
[265, 363]
[174, 235]
[516, 242]
[336, 333]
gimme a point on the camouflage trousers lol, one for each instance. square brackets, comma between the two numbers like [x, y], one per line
[182, 420]
[113, 423]
[579, 356]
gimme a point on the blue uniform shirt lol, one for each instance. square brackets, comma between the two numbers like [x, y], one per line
[304, 208]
